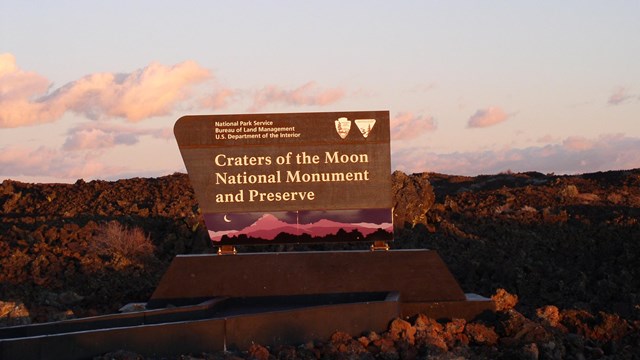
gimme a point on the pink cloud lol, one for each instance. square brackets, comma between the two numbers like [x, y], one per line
[487, 117]
[547, 139]
[151, 91]
[18, 84]
[15, 160]
[405, 126]
[17, 89]
[307, 94]
[18, 161]
[93, 139]
[619, 95]
[219, 99]
[101, 136]
[578, 143]
[606, 152]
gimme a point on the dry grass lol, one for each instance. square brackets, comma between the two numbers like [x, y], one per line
[117, 240]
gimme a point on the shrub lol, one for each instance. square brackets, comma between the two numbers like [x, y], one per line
[116, 240]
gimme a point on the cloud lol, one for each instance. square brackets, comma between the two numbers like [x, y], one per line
[619, 95]
[578, 143]
[307, 94]
[102, 136]
[406, 125]
[219, 100]
[79, 157]
[548, 139]
[154, 90]
[17, 161]
[573, 155]
[16, 84]
[27, 98]
[487, 117]
[18, 88]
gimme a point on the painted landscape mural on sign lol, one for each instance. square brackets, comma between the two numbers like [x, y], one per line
[290, 178]
[291, 226]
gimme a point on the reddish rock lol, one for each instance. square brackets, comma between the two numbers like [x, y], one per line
[346, 344]
[578, 321]
[504, 300]
[364, 341]
[481, 334]
[564, 242]
[258, 352]
[533, 332]
[413, 196]
[287, 352]
[13, 313]
[339, 338]
[510, 322]
[380, 343]
[454, 333]
[401, 330]
[455, 326]
[549, 315]
[424, 323]
[430, 334]
[610, 327]
[385, 345]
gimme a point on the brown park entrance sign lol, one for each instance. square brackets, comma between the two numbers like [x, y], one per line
[290, 178]
[274, 178]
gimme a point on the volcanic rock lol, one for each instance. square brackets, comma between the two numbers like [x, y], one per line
[413, 196]
[563, 249]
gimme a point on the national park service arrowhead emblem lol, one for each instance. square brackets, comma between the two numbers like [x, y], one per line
[343, 125]
[365, 126]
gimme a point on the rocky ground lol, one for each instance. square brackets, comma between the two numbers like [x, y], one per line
[566, 246]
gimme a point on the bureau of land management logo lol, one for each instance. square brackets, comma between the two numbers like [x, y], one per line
[343, 125]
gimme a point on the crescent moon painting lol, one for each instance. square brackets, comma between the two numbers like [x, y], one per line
[226, 219]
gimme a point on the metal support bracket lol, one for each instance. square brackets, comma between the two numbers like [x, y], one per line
[227, 250]
[379, 246]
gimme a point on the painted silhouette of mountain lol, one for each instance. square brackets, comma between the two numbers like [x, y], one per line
[266, 227]
[270, 234]
[326, 227]
[269, 226]
[266, 222]
[385, 226]
[217, 235]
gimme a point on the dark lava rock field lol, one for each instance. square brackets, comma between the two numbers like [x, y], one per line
[559, 254]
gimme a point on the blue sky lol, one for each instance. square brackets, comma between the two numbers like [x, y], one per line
[91, 89]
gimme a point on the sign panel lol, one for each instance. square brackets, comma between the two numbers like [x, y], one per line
[295, 177]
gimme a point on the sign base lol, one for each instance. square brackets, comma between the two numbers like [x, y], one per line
[209, 303]
[420, 277]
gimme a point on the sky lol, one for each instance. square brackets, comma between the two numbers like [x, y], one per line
[91, 89]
